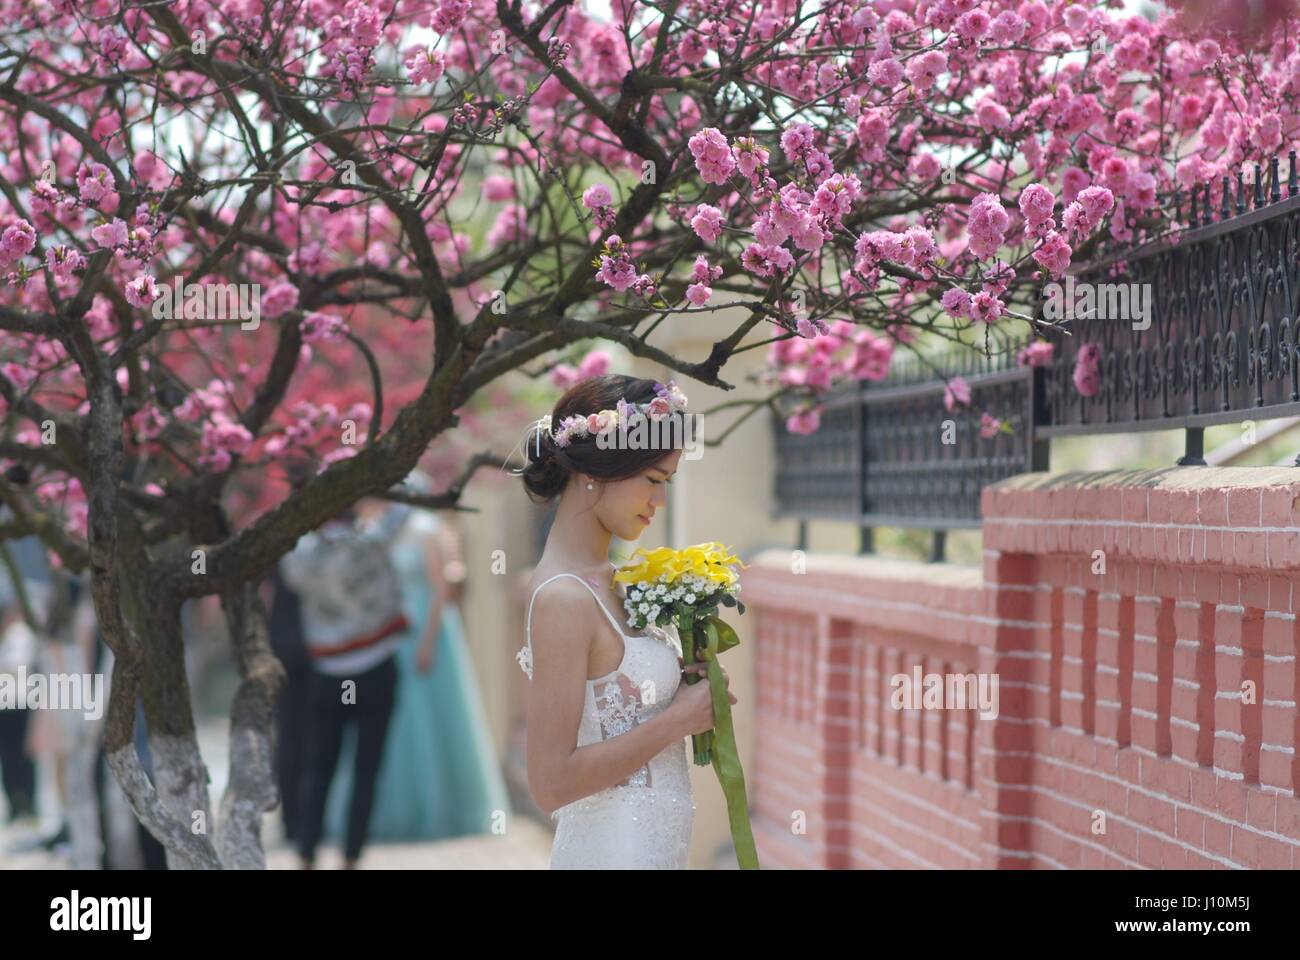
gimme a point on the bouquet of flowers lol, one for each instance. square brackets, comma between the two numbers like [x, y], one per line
[687, 586]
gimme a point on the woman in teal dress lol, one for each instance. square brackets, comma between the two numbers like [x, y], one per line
[440, 776]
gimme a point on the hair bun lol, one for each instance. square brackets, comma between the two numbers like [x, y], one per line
[545, 476]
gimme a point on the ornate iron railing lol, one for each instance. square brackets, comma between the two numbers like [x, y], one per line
[1222, 343]
[1219, 343]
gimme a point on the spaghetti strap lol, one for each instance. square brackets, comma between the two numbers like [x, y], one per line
[525, 654]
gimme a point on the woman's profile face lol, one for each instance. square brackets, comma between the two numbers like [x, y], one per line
[627, 507]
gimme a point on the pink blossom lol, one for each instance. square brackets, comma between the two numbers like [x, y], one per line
[707, 222]
[93, 182]
[702, 272]
[1114, 174]
[885, 73]
[112, 45]
[1036, 354]
[1076, 18]
[990, 426]
[221, 439]
[596, 195]
[449, 15]
[497, 188]
[1008, 27]
[594, 364]
[925, 166]
[280, 297]
[63, 261]
[957, 392]
[924, 70]
[142, 291]
[1073, 179]
[834, 198]
[986, 223]
[972, 25]
[318, 326]
[1036, 203]
[871, 356]
[749, 155]
[991, 115]
[956, 302]
[698, 294]
[45, 196]
[797, 141]
[713, 157]
[1087, 370]
[805, 422]
[425, 65]
[111, 234]
[563, 376]
[617, 274]
[17, 241]
[510, 226]
[985, 308]
[1096, 202]
[1054, 254]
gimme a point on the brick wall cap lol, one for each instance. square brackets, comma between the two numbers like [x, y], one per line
[965, 576]
[1163, 478]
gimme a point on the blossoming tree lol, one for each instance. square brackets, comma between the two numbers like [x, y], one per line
[841, 179]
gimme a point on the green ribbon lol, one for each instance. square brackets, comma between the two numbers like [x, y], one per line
[718, 746]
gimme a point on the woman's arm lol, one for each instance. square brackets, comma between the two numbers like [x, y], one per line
[559, 771]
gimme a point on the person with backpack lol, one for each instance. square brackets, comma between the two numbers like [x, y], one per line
[352, 621]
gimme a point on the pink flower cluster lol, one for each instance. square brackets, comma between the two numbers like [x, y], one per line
[987, 224]
[318, 326]
[1036, 354]
[914, 248]
[713, 158]
[425, 64]
[1087, 370]
[699, 291]
[450, 15]
[17, 241]
[598, 199]
[1089, 207]
[805, 421]
[594, 364]
[617, 270]
[510, 226]
[223, 439]
[956, 393]
[313, 427]
[707, 222]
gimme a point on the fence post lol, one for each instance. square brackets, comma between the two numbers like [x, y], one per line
[1194, 450]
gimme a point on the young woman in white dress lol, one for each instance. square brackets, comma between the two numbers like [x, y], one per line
[608, 716]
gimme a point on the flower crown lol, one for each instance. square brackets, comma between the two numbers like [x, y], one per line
[669, 399]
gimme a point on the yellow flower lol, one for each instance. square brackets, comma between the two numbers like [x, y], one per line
[711, 561]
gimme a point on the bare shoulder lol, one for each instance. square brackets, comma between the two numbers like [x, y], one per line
[562, 626]
[559, 595]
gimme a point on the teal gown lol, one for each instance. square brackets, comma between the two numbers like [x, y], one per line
[439, 776]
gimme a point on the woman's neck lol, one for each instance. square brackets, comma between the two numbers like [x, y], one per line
[577, 540]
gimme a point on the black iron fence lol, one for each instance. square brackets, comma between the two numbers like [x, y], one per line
[1196, 328]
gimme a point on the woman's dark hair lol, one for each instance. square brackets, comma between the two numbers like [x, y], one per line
[550, 465]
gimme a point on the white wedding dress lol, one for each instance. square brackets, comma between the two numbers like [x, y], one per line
[645, 822]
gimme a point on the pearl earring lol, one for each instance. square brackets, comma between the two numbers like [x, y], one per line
[590, 487]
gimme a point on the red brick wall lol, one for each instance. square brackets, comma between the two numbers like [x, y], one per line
[1119, 690]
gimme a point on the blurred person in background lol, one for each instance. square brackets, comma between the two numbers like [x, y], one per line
[17, 769]
[440, 776]
[352, 622]
[292, 707]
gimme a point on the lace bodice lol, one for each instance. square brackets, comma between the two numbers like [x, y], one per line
[645, 821]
